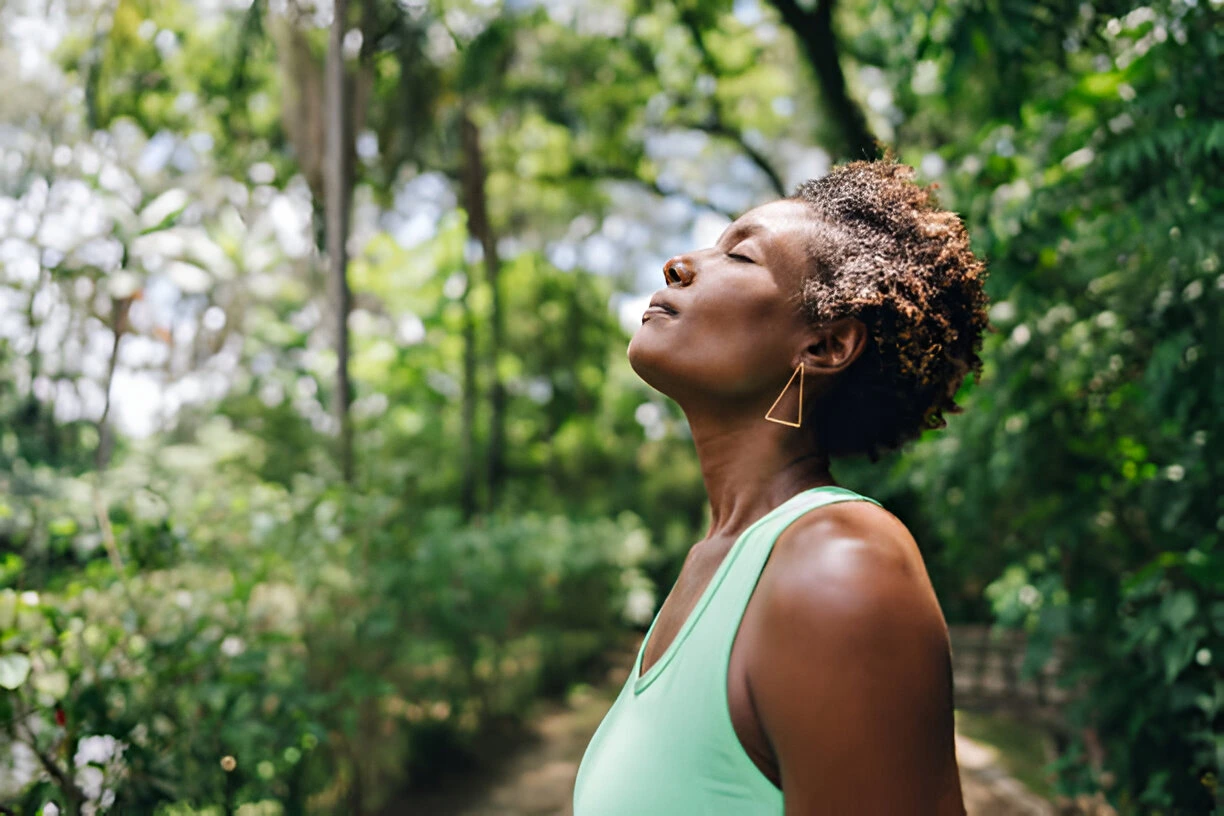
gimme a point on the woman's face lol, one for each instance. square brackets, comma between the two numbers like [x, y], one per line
[728, 325]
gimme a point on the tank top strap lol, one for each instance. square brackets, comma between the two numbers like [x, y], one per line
[773, 524]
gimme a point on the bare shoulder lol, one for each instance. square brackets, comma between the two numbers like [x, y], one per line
[849, 668]
[853, 563]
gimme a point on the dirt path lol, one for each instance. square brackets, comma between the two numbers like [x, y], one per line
[537, 779]
[988, 789]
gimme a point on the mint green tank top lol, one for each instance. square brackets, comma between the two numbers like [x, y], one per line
[667, 746]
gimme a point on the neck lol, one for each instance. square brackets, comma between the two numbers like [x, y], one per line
[750, 466]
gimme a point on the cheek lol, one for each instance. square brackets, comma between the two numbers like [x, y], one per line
[742, 296]
[744, 342]
[730, 341]
[747, 310]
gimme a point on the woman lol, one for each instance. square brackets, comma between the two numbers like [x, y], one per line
[800, 664]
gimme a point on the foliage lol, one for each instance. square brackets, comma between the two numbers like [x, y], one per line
[294, 631]
[1082, 472]
[197, 586]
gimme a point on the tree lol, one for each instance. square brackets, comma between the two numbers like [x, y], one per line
[338, 189]
[1080, 473]
[813, 28]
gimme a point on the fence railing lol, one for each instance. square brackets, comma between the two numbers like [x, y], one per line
[986, 672]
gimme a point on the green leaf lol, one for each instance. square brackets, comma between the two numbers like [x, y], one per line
[163, 211]
[14, 669]
[1217, 616]
[1178, 609]
[1178, 653]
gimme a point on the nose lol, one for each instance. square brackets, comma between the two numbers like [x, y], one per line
[678, 270]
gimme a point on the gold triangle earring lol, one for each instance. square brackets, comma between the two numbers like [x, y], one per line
[799, 371]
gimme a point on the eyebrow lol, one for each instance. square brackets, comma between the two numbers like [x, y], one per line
[740, 232]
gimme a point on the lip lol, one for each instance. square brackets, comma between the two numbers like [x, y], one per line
[659, 307]
[656, 311]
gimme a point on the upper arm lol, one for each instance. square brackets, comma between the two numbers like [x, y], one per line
[851, 675]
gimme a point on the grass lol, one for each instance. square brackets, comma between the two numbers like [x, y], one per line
[1022, 747]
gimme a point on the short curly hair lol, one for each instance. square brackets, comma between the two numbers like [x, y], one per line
[885, 253]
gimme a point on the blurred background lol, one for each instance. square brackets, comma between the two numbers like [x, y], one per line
[325, 485]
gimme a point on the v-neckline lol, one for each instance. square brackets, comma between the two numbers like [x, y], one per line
[641, 681]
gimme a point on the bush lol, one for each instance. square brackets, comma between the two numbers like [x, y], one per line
[303, 627]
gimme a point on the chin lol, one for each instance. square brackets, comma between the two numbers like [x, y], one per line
[651, 359]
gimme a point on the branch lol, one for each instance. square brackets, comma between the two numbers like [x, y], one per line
[119, 326]
[814, 30]
[623, 174]
[74, 794]
[718, 126]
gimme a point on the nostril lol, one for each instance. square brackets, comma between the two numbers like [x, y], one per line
[674, 271]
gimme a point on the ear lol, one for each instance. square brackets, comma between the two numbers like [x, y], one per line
[831, 347]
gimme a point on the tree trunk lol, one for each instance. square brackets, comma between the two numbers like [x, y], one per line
[475, 203]
[814, 30]
[338, 187]
[467, 444]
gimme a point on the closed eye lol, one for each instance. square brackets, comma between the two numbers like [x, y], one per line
[740, 258]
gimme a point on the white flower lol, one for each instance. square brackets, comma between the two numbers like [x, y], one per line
[96, 750]
[635, 547]
[1003, 311]
[639, 605]
[90, 780]
[232, 646]
[647, 414]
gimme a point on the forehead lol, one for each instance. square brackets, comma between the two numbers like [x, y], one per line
[786, 222]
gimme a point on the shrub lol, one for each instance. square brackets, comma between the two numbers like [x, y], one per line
[304, 627]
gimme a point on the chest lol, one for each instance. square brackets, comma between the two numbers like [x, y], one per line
[677, 608]
[695, 576]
